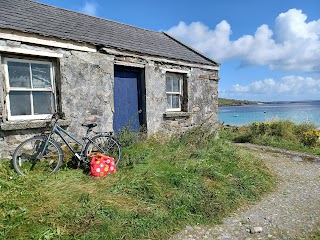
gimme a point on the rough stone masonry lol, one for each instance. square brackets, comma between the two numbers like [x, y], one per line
[84, 83]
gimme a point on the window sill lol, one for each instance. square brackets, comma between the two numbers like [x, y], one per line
[19, 125]
[176, 114]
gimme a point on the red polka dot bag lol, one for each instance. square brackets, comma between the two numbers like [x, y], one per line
[101, 165]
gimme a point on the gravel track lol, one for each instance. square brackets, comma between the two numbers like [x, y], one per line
[291, 211]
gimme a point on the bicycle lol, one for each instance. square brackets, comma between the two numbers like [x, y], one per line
[42, 153]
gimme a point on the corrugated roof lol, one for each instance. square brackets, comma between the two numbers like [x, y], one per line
[33, 17]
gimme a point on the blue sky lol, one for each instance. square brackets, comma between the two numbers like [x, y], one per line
[269, 50]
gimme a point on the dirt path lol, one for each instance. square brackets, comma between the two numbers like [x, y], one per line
[291, 211]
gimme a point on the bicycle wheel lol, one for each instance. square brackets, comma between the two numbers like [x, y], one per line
[26, 161]
[105, 144]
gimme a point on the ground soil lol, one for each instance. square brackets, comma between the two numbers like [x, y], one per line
[290, 211]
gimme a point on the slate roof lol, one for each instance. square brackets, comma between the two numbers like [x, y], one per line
[33, 17]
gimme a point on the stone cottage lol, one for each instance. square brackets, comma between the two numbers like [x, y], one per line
[93, 69]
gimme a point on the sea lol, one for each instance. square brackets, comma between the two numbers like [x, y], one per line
[298, 112]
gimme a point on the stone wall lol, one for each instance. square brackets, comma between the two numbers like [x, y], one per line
[202, 103]
[87, 90]
[202, 93]
[85, 94]
[155, 96]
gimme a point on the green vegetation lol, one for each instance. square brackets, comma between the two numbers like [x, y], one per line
[315, 235]
[282, 134]
[233, 102]
[160, 187]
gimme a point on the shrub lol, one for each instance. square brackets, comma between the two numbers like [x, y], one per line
[128, 137]
[284, 134]
[311, 138]
[259, 128]
[304, 127]
[283, 129]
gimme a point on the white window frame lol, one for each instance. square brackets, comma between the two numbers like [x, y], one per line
[180, 93]
[31, 89]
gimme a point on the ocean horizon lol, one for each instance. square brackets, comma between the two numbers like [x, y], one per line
[295, 111]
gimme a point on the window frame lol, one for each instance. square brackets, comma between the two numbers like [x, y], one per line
[30, 90]
[180, 92]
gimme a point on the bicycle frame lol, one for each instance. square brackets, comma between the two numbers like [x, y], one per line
[59, 131]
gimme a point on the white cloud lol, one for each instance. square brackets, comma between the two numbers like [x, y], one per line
[89, 8]
[293, 45]
[289, 87]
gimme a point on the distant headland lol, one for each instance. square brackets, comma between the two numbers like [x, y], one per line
[234, 102]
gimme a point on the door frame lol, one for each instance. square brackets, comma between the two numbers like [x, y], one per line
[141, 89]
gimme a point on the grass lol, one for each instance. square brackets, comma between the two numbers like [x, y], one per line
[283, 134]
[160, 187]
[315, 235]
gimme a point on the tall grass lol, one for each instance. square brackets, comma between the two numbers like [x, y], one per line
[158, 189]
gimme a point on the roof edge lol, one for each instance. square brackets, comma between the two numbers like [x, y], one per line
[124, 52]
[45, 40]
[191, 48]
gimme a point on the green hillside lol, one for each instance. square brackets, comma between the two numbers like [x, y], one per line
[234, 102]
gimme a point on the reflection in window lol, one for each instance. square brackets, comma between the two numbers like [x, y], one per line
[20, 103]
[19, 74]
[41, 75]
[42, 102]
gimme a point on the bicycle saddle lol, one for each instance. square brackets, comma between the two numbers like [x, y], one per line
[89, 125]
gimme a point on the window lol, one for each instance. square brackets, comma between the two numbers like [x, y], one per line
[30, 89]
[174, 91]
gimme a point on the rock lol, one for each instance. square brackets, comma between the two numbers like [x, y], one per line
[297, 159]
[90, 118]
[256, 230]
[189, 228]
[196, 109]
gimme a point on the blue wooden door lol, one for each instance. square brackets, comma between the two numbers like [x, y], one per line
[126, 100]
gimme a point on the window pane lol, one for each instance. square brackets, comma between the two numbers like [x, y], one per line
[20, 103]
[42, 102]
[176, 85]
[175, 101]
[169, 101]
[168, 84]
[41, 77]
[19, 74]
